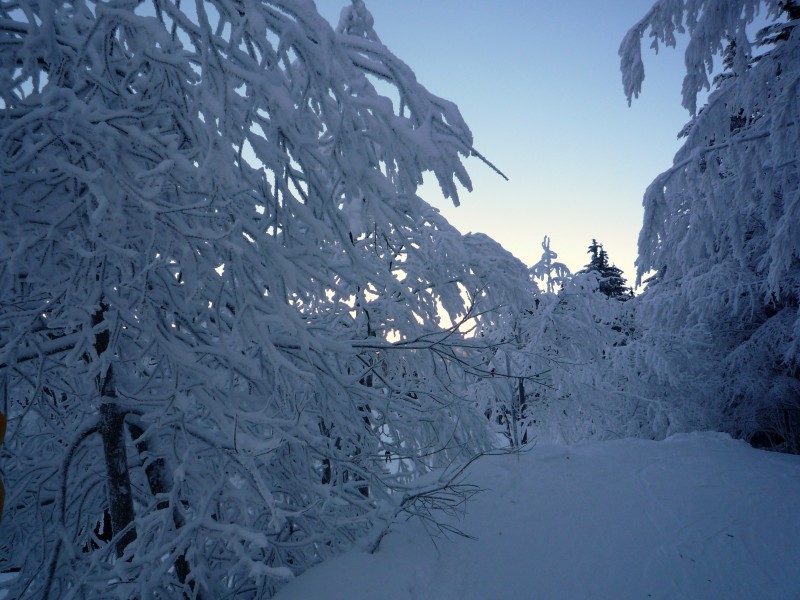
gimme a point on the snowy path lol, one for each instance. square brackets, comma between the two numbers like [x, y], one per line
[695, 516]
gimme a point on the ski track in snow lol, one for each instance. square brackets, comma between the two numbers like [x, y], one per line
[695, 516]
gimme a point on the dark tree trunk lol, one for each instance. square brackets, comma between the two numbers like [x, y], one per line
[120, 496]
[112, 430]
[523, 406]
[523, 409]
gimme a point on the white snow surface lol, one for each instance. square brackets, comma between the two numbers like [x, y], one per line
[694, 516]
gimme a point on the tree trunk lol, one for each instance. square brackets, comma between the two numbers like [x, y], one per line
[112, 430]
[120, 496]
[523, 408]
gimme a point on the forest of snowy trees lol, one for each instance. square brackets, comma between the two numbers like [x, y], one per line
[235, 341]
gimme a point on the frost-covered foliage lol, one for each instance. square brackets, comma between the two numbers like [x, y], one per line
[559, 368]
[218, 293]
[548, 270]
[722, 226]
[575, 338]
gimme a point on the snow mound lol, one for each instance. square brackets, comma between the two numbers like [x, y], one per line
[695, 516]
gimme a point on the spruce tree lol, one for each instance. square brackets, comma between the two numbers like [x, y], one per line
[609, 276]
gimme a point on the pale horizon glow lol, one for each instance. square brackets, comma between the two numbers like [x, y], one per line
[540, 87]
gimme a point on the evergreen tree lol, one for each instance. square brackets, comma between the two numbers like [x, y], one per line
[722, 225]
[609, 276]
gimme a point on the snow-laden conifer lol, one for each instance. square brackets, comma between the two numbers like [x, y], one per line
[722, 225]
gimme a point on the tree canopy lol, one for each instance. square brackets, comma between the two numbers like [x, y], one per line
[722, 225]
[220, 295]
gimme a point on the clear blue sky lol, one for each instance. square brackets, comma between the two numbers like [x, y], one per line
[539, 84]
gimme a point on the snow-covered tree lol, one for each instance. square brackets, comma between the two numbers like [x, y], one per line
[501, 388]
[575, 338]
[549, 271]
[555, 370]
[722, 225]
[610, 279]
[219, 293]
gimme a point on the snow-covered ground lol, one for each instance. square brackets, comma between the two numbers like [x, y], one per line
[697, 516]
